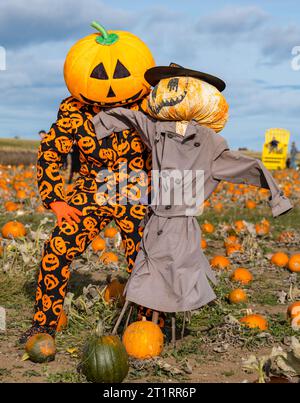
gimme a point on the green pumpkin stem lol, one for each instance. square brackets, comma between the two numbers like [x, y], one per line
[105, 38]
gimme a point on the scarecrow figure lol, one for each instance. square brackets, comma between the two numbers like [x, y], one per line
[101, 70]
[171, 272]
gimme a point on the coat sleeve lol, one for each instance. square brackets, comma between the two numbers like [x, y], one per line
[119, 119]
[54, 146]
[235, 167]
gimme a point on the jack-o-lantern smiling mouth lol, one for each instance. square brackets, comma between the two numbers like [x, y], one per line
[172, 86]
[108, 104]
[167, 102]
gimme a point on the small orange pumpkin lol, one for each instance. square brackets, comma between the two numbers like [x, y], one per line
[98, 244]
[208, 227]
[242, 275]
[294, 263]
[255, 322]
[109, 257]
[14, 229]
[233, 249]
[262, 228]
[231, 240]
[239, 226]
[280, 259]
[203, 243]
[220, 262]
[293, 310]
[250, 204]
[11, 206]
[143, 339]
[110, 232]
[237, 296]
[114, 291]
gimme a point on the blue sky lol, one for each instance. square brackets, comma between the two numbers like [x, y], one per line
[248, 44]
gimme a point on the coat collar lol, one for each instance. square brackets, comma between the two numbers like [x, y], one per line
[170, 126]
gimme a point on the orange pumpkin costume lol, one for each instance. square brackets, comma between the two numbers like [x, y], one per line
[96, 156]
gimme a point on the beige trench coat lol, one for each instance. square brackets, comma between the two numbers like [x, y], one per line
[171, 272]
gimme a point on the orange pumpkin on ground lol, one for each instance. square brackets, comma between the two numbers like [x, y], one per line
[233, 249]
[280, 259]
[40, 348]
[21, 194]
[110, 232]
[294, 263]
[262, 229]
[98, 244]
[11, 206]
[207, 227]
[237, 296]
[13, 229]
[220, 262]
[218, 207]
[203, 243]
[241, 275]
[250, 204]
[143, 339]
[294, 310]
[255, 322]
[231, 240]
[109, 257]
[239, 225]
[114, 291]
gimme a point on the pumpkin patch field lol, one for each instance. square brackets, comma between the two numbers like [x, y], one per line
[250, 333]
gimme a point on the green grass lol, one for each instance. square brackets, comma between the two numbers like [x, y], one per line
[65, 377]
[30, 145]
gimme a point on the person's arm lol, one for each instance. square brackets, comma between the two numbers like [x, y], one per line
[56, 144]
[235, 167]
[119, 119]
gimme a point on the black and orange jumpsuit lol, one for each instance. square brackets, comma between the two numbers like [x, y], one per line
[105, 162]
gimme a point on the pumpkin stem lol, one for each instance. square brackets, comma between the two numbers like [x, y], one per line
[99, 331]
[105, 38]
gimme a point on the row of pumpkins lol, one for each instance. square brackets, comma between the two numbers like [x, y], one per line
[104, 357]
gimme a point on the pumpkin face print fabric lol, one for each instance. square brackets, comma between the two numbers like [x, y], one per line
[115, 159]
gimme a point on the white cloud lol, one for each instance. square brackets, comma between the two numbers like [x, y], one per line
[37, 21]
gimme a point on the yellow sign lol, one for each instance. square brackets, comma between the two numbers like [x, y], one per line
[275, 148]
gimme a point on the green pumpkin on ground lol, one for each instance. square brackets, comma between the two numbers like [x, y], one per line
[104, 359]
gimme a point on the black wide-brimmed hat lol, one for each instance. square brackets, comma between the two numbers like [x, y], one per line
[155, 74]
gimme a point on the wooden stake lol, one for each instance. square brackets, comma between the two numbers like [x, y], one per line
[174, 330]
[125, 306]
[155, 317]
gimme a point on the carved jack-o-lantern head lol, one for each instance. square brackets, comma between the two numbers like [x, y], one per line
[188, 98]
[108, 69]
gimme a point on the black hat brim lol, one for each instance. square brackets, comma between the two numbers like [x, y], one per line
[155, 74]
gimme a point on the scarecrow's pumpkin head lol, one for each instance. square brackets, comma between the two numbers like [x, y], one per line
[108, 69]
[188, 98]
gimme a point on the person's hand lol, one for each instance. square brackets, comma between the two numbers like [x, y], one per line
[65, 212]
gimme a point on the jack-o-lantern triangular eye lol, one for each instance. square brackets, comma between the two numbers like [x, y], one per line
[99, 72]
[121, 71]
